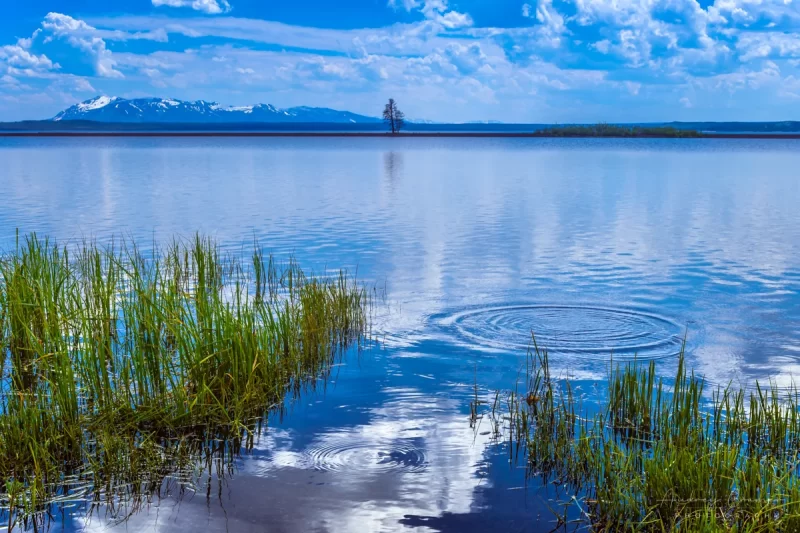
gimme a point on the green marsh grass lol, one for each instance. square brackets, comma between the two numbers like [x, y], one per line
[121, 370]
[660, 455]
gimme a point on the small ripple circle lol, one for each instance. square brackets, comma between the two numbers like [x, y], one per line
[363, 456]
[569, 329]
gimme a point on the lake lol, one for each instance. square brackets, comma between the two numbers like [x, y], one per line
[595, 245]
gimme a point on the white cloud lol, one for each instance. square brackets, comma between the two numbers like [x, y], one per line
[453, 20]
[633, 87]
[790, 88]
[83, 85]
[657, 50]
[743, 78]
[747, 12]
[438, 11]
[466, 58]
[82, 36]
[150, 72]
[491, 64]
[685, 102]
[526, 10]
[61, 25]
[435, 10]
[408, 5]
[69, 83]
[212, 7]
[19, 57]
[28, 42]
[552, 23]
[400, 39]
[602, 46]
[10, 83]
[755, 45]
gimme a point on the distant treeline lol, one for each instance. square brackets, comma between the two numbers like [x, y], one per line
[612, 130]
[672, 129]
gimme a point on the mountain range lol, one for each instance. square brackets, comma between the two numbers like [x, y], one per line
[114, 114]
[169, 110]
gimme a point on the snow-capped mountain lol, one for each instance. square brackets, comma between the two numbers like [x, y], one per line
[168, 110]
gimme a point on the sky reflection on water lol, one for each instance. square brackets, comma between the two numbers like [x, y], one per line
[476, 242]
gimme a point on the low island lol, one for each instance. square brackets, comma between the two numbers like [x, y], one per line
[612, 130]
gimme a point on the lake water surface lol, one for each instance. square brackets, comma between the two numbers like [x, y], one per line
[594, 245]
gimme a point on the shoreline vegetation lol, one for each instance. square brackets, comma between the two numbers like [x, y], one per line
[611, 130]
[125, 372]
[83, 128]
[655, 455]
[126, 375]
[406, 134]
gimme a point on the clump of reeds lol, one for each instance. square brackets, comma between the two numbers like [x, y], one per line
[662, 456]
[120, 367]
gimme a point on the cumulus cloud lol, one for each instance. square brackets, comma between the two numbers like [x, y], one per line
[466, 58]
[435, 10]
[755, 45]
[28, 42]
[62, 25]
[212, 7]
[18, 57]
[89, 39]
[603, 46]
[752, 12]
[592, 52]
[82, 36]
[652, 46]
[453, 20]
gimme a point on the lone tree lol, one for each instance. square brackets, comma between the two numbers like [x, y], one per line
[393, 117]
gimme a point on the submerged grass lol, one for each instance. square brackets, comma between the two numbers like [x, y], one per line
[120, 369]
[657, 455]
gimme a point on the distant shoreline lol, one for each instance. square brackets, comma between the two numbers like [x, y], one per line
[488, 134]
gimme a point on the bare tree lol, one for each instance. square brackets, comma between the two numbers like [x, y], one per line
[393, 117]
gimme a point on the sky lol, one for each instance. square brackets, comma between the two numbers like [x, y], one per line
[528, 61]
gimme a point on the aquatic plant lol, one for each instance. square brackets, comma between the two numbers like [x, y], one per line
[613, 130]
[656, 455]
[122, 369]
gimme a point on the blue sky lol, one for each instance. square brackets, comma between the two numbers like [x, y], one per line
[443, 60]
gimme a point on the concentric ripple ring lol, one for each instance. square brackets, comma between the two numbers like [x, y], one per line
[587, 331]
[366, 457]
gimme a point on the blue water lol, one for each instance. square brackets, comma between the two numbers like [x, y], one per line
[595, 245]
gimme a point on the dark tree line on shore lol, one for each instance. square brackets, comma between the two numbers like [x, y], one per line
[613, 130]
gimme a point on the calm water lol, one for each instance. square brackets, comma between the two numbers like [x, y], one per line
[593, 244]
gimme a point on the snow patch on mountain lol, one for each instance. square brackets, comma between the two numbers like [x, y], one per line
[171, 110]
[96, 103]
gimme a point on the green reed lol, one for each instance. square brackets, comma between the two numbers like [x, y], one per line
[662, 456]
[121, 368]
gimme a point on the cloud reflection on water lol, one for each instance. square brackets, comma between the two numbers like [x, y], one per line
[705, 233]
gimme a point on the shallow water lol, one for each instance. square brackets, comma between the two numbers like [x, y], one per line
[595, 245]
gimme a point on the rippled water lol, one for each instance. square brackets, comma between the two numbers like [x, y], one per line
[594, 245]
[569, 330]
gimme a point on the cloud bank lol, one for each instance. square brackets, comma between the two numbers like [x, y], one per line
[560, 60]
